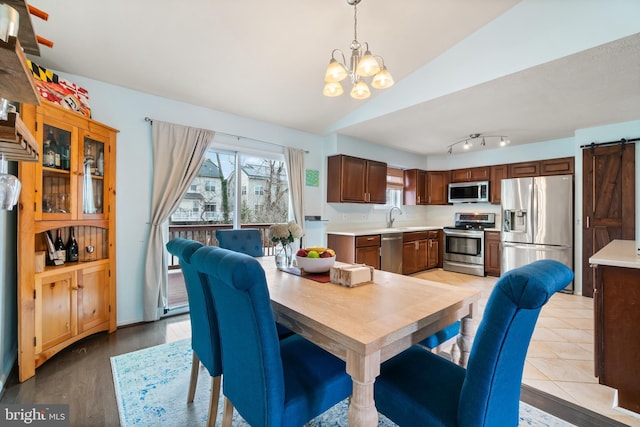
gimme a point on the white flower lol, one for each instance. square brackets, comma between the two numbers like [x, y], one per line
[285, 233]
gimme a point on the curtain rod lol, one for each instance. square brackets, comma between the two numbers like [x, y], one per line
[150, 120]
[620, 141]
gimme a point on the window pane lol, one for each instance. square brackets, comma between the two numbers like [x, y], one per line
[267, 202]
[211, 198]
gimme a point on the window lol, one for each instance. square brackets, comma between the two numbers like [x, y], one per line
[395, 188]
[212, 196]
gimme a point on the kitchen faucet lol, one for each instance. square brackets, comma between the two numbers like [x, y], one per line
[391, 218]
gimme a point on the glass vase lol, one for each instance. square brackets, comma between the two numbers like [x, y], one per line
[284, 255]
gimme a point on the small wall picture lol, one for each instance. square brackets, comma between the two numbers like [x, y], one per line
[312, 178]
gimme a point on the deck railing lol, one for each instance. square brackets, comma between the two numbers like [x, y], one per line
[206, 234]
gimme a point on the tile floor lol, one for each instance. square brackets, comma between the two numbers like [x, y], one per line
[560, 357]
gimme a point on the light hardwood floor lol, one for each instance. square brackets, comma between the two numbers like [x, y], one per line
[560, 357]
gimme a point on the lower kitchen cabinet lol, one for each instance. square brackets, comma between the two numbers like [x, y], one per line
[617, 342]
[356, 249]
[492, 253]
[420, 251]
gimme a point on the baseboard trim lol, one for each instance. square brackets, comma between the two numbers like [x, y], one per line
[565, 410]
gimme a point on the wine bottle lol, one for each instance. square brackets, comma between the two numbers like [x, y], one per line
[72, 247]
[51, 251]
[49, 150]
[61, 250]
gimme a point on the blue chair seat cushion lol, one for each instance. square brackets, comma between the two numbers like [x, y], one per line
[314, 380]
[419, 388]
[442, 335]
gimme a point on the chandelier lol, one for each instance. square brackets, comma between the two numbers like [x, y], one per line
[478, 137]
[362, 64]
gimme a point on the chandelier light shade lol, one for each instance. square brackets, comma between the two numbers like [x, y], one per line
[478, 137]
[363, 64]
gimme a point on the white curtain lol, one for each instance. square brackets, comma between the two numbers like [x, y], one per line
[178, 153]
[295, 168]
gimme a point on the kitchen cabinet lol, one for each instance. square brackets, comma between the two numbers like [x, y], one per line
[498, 173]
[617, 342]
[415, 187]
[355, 180]
[72, 186]
[561, 166]
[437, 186]
[420, 251]
[356, 249]
[434, 249]
[471, 174]
[492, 253]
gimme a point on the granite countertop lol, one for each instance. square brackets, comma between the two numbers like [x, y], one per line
[384, 230]
[618, 253]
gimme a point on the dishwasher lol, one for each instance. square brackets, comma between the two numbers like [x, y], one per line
[391, 252]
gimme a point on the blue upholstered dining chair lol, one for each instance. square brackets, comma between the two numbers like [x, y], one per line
[205, 340]
[245, 240]
[270, 382]
[419, 388]
[445, 334]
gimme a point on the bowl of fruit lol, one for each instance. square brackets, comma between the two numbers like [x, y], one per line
[315, 259]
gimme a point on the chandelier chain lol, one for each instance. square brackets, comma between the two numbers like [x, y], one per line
[355, 22]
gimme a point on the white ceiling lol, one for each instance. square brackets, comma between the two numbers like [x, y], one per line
[265, 60]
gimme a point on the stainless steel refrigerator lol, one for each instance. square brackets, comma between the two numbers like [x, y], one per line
[537, 221]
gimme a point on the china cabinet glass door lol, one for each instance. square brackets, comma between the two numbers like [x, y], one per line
[92, 186]
[57, 185]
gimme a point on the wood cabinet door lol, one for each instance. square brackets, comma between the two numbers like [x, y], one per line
[415, 187]
[409, 258]
[460, 175]
[369, 255]
[480, 174]
[562, 166]
[524, 169]
[433, 257]
[422, 254]
[437, 183]
[376, 182]
[492, 253]
[353, 179]
[55, 310]
[498, 173]
[93, 297]
[608, 202]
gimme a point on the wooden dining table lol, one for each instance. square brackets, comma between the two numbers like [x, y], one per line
[369, 324]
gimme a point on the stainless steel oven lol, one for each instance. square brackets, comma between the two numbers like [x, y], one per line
[464, 243]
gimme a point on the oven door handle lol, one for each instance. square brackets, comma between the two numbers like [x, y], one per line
[471, 233]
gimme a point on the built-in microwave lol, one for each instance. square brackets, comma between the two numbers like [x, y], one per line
[468, 192]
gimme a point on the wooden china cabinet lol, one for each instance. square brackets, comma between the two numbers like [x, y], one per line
[72, 187]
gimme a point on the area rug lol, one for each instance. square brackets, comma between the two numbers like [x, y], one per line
[151, 390]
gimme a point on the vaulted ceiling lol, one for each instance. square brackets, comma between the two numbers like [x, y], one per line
[534, 70]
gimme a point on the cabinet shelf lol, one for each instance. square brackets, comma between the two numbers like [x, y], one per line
[51, 270]
[16, 142]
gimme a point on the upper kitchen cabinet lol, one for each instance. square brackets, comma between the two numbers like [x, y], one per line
[471, 174]
[560, 166]
[415, 187]
[437, 183]
[356, 180]
[498, 173]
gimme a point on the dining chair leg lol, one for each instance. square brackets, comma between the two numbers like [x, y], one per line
[213, 403]
[227, 414]
[195, 368]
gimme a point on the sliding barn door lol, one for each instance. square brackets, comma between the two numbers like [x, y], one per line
[608, 202]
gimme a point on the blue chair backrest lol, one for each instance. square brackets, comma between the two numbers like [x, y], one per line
[491, 390]
[205, 340]
[253, 378]
[245, 240]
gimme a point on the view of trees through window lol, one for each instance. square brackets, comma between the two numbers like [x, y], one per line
[211, 198]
